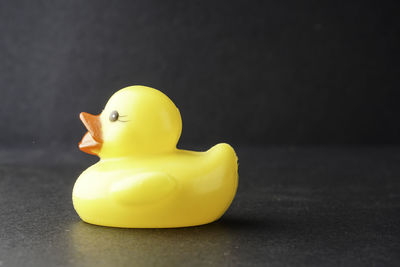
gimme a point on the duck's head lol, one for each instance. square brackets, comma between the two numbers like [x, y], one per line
[137, 120]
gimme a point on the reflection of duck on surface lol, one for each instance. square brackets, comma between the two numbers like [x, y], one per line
[100, 246]
[142, 179]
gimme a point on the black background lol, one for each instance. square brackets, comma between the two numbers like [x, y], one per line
[244, 72]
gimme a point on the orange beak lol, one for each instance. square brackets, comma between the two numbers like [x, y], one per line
[92, 141]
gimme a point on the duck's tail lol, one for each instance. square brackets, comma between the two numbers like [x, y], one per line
[224, 156]
[228, 158]
[227, 151]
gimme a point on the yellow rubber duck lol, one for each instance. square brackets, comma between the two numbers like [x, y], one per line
[142, 180]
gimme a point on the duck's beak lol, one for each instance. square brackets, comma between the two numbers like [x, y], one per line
[92, 140]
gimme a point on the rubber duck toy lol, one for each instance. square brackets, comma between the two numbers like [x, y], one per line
[142, 180]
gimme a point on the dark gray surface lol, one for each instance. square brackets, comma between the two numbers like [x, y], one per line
[307, 206]
[287, 72]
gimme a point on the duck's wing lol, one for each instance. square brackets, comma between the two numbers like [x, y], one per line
[143, 188]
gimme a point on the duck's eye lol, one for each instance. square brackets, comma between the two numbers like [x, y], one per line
[114, 115]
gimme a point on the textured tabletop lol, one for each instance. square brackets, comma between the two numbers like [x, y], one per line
[310, 206]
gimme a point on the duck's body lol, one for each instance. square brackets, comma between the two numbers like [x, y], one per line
[184, 188]
[142, 180]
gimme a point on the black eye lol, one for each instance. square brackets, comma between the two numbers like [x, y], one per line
[114, 115]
